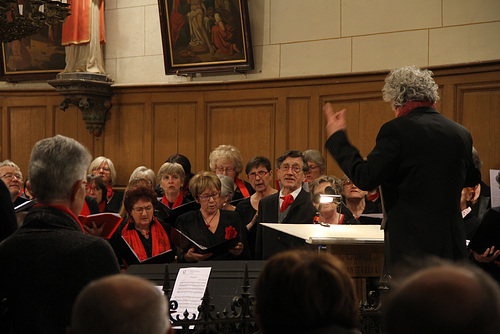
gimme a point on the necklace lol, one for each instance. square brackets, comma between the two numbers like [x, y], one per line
[213, 216]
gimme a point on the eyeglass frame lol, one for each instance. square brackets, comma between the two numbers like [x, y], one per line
[148, 208]
[12, 176]
[224, 169]
[261, 174]
[296, 169]
[206, 198]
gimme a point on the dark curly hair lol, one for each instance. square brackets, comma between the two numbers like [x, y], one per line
[136, 193]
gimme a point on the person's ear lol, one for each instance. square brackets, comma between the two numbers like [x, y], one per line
[75, 188]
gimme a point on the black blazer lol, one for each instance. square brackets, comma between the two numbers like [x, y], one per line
[422, 161]
[301, 211]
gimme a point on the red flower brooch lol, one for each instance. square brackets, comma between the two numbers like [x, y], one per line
[230, 232]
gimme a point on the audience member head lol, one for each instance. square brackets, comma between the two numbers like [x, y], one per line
[142, 172]
[96, 188]
[259, 173]
[442, 299]
[291, 169]
[57, 171]
[409, 84]
[226, 191]
[120, 304]
[329, 185]
[300, 291]
[103, 167]
[11, 175]
[316, 164]
[171, 177]
[226, 160]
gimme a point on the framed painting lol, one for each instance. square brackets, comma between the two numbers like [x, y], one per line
[38, 57]
[205, 36]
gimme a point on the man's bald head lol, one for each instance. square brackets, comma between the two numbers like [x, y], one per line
[120, 304]
[444, 299]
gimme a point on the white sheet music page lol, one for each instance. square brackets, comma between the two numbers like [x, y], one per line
[189, 288]
[495, 187]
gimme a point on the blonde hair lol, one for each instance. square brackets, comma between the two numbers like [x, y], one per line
[98, 162]
[226, 152]
[202, 181]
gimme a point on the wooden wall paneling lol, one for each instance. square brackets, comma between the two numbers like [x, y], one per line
[281, 124]
[128, 140]
[372, 115]
[299, 127]
[27, 126]
[70, 123]
[173, 131]
[248, 125]
[479, 112]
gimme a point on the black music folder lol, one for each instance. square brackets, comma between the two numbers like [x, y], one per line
[184, 242]
[488, 232]
[130, 256]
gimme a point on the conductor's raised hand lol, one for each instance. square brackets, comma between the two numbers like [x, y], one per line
[335, 121]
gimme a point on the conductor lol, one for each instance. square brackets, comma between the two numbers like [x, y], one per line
[421, 160]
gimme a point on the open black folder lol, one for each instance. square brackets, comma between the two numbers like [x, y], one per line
[130, 256]
[488, 233]
[185, 243]
[169, 215]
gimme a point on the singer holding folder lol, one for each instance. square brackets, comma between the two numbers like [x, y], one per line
[421, 160]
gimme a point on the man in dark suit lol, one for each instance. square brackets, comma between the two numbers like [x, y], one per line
[421, 160]
[49, 259]
[291, 205]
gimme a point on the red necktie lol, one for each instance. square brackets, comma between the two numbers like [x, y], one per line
[287, 200]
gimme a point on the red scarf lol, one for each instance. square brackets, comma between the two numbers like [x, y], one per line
[178, 201]
[160, 239]
[243, 189]
[109, 192]
[66, 211]
[409, 106]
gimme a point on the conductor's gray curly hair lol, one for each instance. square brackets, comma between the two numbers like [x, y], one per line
[409, 83]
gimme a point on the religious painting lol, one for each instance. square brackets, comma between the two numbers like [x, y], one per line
[38, 57]
[205, 36]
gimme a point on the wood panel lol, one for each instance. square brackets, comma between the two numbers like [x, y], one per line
[148, 124]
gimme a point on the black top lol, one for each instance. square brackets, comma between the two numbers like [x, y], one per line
[193, 225]
[45, 264]
[9, 221]
[237, 196]
[115, 203]
[247, 212]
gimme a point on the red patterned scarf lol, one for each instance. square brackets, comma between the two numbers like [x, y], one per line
[160, 239]
[409, 106]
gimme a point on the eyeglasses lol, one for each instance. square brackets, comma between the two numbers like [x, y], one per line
[348, 182]
[98, 169]
[148, 208]
[89, 188]
[294, 168]
[261, 174]
[10, 176]
[206, 198]
[221, 169]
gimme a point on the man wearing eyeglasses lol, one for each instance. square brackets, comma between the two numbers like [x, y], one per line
[291, 205]
[11, 175]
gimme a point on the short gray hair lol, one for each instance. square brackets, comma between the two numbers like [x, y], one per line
[316, 157]
[409, 83]
[8, 163]
[99, 161]
[227, 186]
[333, 180]
[145, 173]
[56, 164]
[170, 168]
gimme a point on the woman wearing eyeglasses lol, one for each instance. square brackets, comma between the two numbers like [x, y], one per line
[227, 160]
[210, 226]
[104, 168]
[260, 174]
[146, 235]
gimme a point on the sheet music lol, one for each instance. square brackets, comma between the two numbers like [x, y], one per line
[189, 288]
[495, 188]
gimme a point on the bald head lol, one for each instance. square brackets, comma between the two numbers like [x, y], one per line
[120, 304]
[444, 299]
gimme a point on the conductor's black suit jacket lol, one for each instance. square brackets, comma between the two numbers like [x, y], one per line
[422, 161]
[301, 211]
